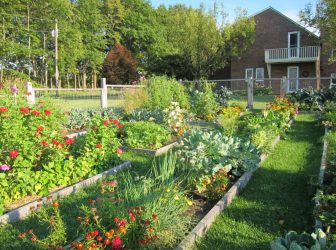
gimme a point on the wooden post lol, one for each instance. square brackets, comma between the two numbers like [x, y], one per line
[103, 98]
[56, 58]
[30, 94]
[250, 93]
[318, 75]
[283, 86]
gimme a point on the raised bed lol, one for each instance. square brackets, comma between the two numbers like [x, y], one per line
[155, 152]
[318, 223]
[223, 203]
[24, 211]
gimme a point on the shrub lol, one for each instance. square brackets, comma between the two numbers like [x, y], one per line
[119, 66]
[261, 89]
[163, 90]
[145, 135]
[229, 120]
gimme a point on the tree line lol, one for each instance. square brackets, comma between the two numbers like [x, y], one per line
[180, 41]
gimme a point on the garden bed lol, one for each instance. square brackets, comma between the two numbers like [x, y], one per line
[25, 210]
[156, 152]
[204, 224]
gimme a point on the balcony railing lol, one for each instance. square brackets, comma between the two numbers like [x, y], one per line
[301, 54]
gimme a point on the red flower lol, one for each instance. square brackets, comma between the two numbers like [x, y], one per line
[116, 219]
[116, 243]
[55, 204]
[3, 109]
[13, 154]
[119, 151]
[44, 143]
[69, 141]
[35, 112]
[39, 129]
[25, 110]
[116, 122]
[57, 143]
[80, 246]
[106, 123]
[99, 146]
[47, 112]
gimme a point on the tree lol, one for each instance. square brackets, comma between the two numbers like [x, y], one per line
[119, 66]
[323, 18]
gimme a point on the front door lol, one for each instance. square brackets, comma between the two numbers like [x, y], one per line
[293, 78]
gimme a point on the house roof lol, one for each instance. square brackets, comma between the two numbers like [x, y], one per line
[291, 20]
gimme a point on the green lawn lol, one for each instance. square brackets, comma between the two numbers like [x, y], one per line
[259, 102]
[277, 199]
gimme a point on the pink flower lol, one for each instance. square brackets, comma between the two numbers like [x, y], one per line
[14, 89]
[4, 167]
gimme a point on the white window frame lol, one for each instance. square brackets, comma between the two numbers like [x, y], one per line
[333, 78]
[263, 75]
[298, 41]
[246, 70]
[297, 78]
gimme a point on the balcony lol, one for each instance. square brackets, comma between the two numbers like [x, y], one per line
[288, 55]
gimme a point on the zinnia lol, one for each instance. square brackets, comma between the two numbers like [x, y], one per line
[24, 110]
[13, 153]
[3, 109]
[44, 143]
[99, 146]
[35, 112]
[4, 167]
[116, 243]
[47, 112]
[119, 151]
[69, 141]
[106, 123]
[39, 129]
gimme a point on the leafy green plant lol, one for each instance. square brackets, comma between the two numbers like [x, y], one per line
[229, 120]
[156, 115]
[135, 98]
[304, 241]
[80, 118]
[203, 103]
[260, 89]
[204, 152]
[145, 135]
[223, 95]
[163, 90]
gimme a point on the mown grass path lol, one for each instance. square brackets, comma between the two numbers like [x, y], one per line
[278, 197]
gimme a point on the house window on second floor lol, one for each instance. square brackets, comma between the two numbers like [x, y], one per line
[248, 73]
[260, 74]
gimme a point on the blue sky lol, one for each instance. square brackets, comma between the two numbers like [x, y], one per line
[290, 8]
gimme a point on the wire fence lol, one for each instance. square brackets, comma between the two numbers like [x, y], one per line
[118, 96]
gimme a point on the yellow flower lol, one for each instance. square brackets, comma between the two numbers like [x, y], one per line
[168, 190]
[176, 198]
[189, 202]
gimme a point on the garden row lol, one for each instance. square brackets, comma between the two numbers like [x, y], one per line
[154, 210]
[323, 101]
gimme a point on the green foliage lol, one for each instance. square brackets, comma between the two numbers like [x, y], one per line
[134, 98]
[156, 115]
[223, 95]
[145, 135]
[35, 156]
[203, 103]
[79, 118]
[163, 90]
[229, 120]
[261, 89]
[204, 152]
[304, 241]
[175, 119]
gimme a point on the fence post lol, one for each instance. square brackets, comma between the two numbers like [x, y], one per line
[250, 93]
[103, 97]
[283, 86]
[30, 94]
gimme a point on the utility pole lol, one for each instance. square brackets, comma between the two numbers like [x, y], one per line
[28, 27]
[56, 58]
[4, 38]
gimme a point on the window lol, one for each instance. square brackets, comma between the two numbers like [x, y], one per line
[294, 39]
[333, 78]
[248, 73]
[259, 74]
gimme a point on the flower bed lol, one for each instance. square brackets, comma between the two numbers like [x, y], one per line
[35, 157]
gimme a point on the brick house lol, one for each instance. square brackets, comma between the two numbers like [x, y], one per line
[283, 47]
